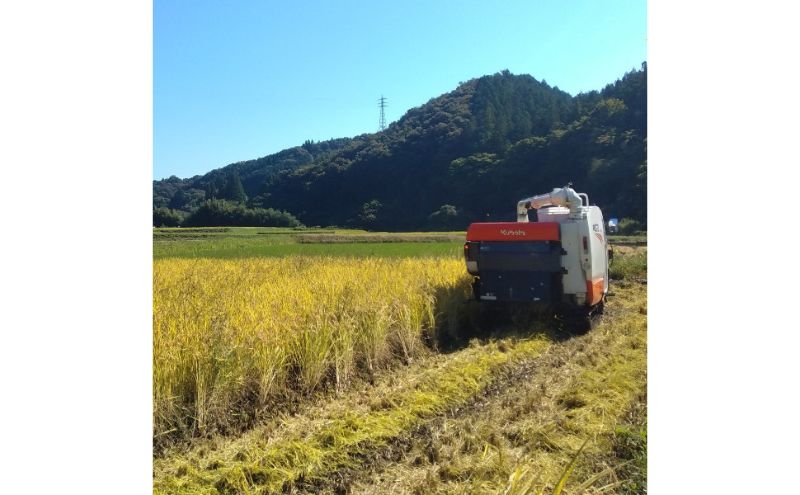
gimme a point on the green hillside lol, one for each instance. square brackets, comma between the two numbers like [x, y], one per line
[464, 156]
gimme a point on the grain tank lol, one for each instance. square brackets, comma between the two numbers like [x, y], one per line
[561, 260]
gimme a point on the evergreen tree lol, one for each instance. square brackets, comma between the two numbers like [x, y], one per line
[234, 190]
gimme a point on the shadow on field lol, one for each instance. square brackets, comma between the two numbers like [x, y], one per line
[461, 320]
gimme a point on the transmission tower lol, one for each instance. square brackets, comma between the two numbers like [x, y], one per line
[382, 121]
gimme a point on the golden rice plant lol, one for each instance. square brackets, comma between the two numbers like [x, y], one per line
[229, 336]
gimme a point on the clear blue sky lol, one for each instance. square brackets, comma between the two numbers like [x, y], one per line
[244, 79]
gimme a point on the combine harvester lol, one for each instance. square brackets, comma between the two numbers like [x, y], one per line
[559, 262]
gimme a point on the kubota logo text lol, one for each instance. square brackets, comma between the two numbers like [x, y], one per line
[512, 232]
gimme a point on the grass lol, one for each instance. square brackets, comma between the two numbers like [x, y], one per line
[246, 248]
[248, 231]
[629, 445]
[628, 264]
[639, 239]
[415, 237]
[243, 242]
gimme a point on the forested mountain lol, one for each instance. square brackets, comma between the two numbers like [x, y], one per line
[464, 156]
[188, 194]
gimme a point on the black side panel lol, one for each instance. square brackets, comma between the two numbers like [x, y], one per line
[520, 271]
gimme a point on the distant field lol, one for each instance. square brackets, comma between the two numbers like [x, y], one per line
[244, 242]
[633, 240]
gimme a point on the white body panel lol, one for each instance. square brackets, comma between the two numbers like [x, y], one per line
[574, 281]
[582, 265]
[553, 214]
[598, 246]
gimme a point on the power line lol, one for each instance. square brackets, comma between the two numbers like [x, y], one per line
[382, 121]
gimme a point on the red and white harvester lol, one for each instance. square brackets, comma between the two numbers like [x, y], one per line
[560, 261]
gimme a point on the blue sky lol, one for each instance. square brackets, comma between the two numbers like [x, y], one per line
[240, 80]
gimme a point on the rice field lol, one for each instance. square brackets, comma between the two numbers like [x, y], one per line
[233, 337]
[311, 362]
[506, 414]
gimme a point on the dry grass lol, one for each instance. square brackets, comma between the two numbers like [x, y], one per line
[230, 338]
[523, 439]
[340, 434]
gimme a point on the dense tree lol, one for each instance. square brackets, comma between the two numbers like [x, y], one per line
[233, 189]
[164, 217]
[369, 213]
[446, 217]
[255, 175]
[218, 213]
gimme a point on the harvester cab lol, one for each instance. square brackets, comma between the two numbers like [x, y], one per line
[559, 261]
